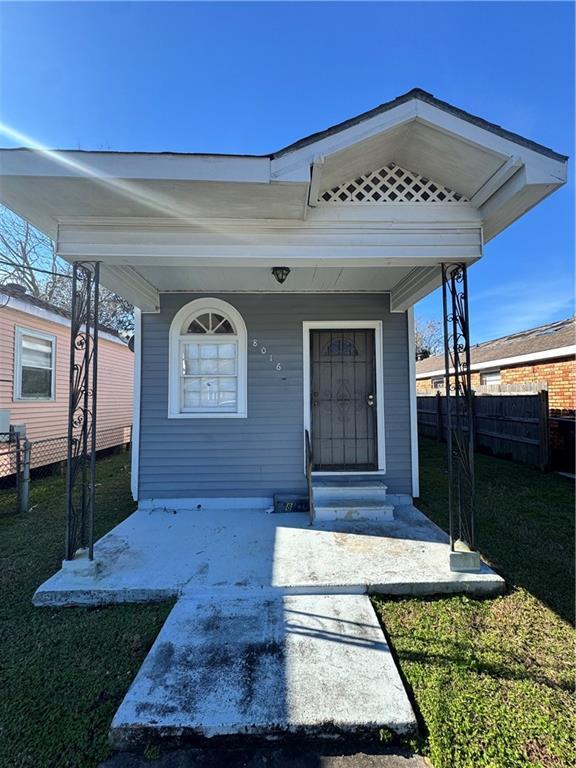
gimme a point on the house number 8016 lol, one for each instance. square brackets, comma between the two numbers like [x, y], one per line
[264, 351]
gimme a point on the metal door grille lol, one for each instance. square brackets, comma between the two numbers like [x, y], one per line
[343, 400]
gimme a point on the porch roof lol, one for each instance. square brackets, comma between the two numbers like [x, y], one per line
[137, 212]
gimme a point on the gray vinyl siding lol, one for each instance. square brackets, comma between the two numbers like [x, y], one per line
[262, 454]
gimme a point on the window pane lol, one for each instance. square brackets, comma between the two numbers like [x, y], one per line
[490, 377]
[227, 350]
[209, 393]
[224, 327]
[36, 382]
[36, 352]
[195, 327]
[208, 358]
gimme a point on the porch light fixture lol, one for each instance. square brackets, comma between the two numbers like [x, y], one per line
[280, 273]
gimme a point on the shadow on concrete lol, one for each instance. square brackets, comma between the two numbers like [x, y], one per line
[278, 755]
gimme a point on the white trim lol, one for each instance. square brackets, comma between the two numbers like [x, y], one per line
[21, 305]
[413, 403]
[175, 337]
[503, 362]
[19, 332]
[135, 448]
[217, 502]
[376, 326]
[375, 472]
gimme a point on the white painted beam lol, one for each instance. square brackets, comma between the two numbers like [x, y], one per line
[315, 182]
[506, 171]
[132, 286]
[418, 283]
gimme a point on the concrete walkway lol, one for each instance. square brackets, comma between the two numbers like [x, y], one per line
[273, 634]
[315, 665]
[154, 555]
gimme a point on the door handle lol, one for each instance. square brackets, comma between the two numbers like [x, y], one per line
[370, 400]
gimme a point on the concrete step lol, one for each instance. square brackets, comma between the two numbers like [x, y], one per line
[352, 509]
[349, 482]
[342, 498]
[366, 490]
[315, 665]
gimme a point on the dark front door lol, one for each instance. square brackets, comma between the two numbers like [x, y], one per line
[343, 400]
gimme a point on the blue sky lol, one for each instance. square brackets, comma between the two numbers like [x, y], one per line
[253, 77]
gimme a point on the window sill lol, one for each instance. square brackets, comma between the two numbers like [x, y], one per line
[207, 415]
[34, 400]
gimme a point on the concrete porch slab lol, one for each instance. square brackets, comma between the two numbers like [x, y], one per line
[315, 665]
[157, 554]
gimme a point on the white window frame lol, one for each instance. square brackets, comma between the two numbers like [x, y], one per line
[487, 373]
[21, 331]
[186, 313]
[376, 326]
[434, 382]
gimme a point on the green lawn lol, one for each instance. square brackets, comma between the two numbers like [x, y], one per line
[493, 679]
[63, 672]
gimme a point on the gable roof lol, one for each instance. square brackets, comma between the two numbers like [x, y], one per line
[418, 93]
[538, 341]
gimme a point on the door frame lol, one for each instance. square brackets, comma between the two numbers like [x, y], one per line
[376, 326]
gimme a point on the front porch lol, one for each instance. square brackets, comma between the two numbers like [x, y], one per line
[161, 553]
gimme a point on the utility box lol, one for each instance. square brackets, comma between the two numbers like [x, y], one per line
[4, 425]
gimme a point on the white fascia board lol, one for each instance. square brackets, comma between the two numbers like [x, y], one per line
[505, 362]
[121, 165]
[301, 158]
[349, 242]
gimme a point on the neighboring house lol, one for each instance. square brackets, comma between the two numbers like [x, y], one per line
[545, 355]
[276, 292]
[34, 376]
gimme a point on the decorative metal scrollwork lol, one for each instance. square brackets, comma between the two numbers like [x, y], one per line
[83, 373]
[459, 404]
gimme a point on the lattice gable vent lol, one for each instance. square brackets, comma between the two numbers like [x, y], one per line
[391, 184]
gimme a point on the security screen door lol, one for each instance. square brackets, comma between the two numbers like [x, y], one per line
[343, 400]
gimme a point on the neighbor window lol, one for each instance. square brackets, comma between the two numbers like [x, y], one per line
[490, 377]
[34, 372]
[437, 382]
[208, 361]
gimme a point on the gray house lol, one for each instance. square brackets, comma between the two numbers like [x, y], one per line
[274, 354]
[275, 292]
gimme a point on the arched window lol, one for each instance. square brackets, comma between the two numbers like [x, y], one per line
[208, 366]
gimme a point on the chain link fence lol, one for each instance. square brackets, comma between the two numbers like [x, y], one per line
[31, 469]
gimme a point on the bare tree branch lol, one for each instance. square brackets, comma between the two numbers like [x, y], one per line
[429, 338]
[24, 249]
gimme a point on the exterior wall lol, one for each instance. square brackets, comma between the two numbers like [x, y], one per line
[559, 375]
[48, 419]
[262, 454]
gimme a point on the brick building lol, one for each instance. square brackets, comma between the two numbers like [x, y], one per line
[543, 355]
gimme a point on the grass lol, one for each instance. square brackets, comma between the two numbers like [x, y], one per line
[63, 673]
[492, 679]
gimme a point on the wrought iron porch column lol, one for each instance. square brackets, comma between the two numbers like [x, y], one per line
[83, 377]
[460, 420]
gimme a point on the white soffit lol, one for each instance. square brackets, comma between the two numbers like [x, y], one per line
[308, 279]
[502, 174]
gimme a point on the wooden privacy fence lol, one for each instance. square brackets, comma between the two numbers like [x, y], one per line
[513, 426]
